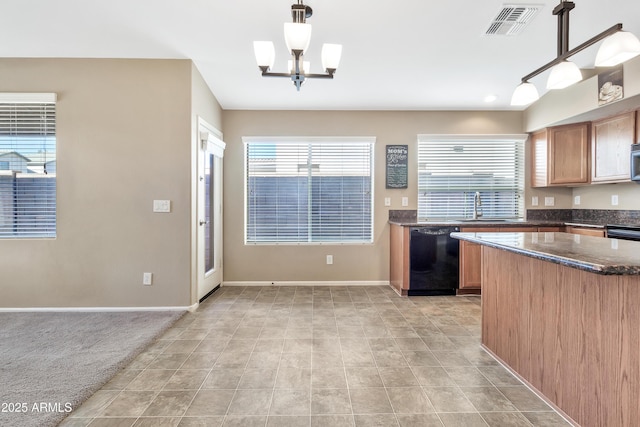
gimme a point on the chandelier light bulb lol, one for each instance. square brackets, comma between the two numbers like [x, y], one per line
[265, 53]
[564, 75]
[297, 36]
[525, 94]
[331, 54]
[617, 48]
[304, 69]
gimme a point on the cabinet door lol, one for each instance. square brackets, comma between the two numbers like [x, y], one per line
[470, 265]
[539, 159]
[611, 148]
[521, 229]
[550, 229]
[471, 259]
[569, 154]
[399, 258]
[637, 140]
[586, 231]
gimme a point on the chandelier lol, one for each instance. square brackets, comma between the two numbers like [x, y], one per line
[618, 47]
[297, 35]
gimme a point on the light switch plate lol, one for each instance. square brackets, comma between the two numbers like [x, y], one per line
[163, 206]
[387, 201]
[147, 279]
[614, 200]
[576, 200]
[549, 201]
[534, 201]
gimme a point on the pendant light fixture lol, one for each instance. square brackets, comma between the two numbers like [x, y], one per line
[297, 35]
[618, 46]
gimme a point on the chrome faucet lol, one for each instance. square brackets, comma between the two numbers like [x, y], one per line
[477, 201]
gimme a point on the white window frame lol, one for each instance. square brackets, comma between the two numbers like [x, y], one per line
[467, 198]
[41, 209]
[309, 140]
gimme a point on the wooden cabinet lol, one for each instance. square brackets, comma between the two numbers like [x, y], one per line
[471, 260]
[471, 253]
[551, 229]
[611, 148]
[560, 156]
[539, 160]
[399, 257]
[586, 231]
[568, 154]
[637, 140]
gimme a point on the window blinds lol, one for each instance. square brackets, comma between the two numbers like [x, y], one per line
[451, 169]
[27, 165]
[309, 191]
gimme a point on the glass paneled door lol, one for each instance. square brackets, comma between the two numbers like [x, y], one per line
[209, 212]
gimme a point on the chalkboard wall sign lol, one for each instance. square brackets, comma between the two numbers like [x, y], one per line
[397, 169]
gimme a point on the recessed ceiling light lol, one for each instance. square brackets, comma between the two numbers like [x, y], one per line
[490, 98]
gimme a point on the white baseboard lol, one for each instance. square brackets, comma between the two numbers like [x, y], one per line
[93, 309]
[309, 283]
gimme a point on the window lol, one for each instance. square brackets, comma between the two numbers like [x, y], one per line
[27, 165]
[451, 169]
[309, 190]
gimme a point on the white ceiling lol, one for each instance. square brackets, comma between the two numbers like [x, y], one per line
[408, 55]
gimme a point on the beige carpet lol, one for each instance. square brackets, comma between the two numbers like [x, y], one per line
[51, 362]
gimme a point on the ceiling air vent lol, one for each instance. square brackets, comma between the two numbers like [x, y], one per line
[512, 19]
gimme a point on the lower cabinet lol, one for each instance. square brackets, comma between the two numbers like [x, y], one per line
[586, 231]
[471, 260]
[471, 254]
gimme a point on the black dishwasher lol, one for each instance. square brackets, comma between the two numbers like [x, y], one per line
[433, 261]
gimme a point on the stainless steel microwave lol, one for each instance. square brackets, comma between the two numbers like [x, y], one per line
[635, 163]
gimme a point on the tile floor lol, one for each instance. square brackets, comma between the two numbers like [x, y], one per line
[318, 356]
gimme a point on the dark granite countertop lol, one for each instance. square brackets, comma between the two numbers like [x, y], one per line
[477, 223]
[598, 255]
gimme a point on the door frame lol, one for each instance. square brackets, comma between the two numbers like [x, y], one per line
[209, 142]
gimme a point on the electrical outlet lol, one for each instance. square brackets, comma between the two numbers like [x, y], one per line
[147, 279]
[614, 200]
[387, 201]
[534, 201]
[576, 200]
[329, 259]
[549, 201]
[405, 201]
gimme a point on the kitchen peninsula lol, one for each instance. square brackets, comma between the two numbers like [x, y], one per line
[562, 311]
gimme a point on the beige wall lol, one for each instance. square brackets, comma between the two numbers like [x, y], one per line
[206, 107]
[579, 103]
[369, 263]
[124, 139]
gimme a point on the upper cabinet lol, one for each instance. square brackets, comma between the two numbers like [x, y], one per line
[539, 168]
[637, 141]
[560, 156]
[611, 148]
